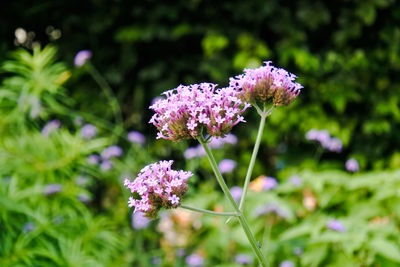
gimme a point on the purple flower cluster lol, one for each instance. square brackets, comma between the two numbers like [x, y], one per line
[227, 165]
[194, 260]
[51, 189]
[188, 110]
[267, 83]
[336, 226]
[295, 180]
[215, 143]
[50, 127]
[139, 220]
[243, 259]
[81, 57]
[323, 137]
[270, 208]
[236, 192]
[352, 165]
[136, 137]
[269, 183]
[157, 186]
[111, 151]
[88, 131]
[286, 263]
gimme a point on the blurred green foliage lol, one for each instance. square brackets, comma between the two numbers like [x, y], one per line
[345, 53]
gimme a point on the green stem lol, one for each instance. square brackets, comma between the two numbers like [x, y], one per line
[263, 116]
[242, 220]
[208, 211]
[108, 93]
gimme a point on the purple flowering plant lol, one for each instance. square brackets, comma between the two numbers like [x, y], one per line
[207, 113]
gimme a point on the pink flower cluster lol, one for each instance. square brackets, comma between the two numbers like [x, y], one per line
[188, 110]
[267, 83]
[157, 186]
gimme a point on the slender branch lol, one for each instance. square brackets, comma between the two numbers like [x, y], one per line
[242, 220]
[108, 93]
[208, 211]
[253, 158]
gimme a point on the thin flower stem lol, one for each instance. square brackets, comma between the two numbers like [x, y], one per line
[242, 220]
[108, 93]
[263, 116]
[208, 211]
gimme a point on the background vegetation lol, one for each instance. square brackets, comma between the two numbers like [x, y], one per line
[58, 209]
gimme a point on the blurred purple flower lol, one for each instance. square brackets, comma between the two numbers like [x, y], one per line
[81, 180]
[111, 151]
[136, 137]
[52, 189]
[51, 126]
[286, 263]
[352, 165]
[194, 260]
[191, 152]
[270, 208]
[106, 165]
[81, 57]
[231, 139]
[84, 198]
[139, 221]
[334, 144]
[29, 226]
[336, 226]
[298, 251]
[243, 259]
[93, 159]
[296, 181]
[323, 137]
[180, 252]
[236, 192]
[269, 183]
[226, 165]
[78, 121]
[155, 260]
[88, 131]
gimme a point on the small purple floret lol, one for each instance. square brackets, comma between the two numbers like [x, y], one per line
[51, 126]
[227, 165]
[88, 131]
[139, 221]
[52, 189]
[194, 260]
[336, 226]
[236, 193]
[81, 57]
[352, 165]
[111, 151]
[243, 259]
[286, 263]
[136, 137]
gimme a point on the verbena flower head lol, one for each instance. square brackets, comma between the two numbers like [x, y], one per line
[352, 165]
[50, 127]
[324, 138]
[157, 186]
[189, 110]
[81, 57]
[194, 260]
[336, 226]
[51, 189]
[267, 83]
[111, 151]
[286, 263]
[88, 131]
[139, 220]
[227, 165]
[243, 259]
[136, 137]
